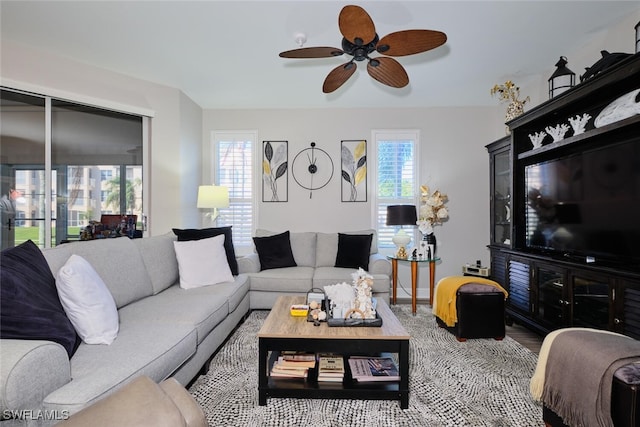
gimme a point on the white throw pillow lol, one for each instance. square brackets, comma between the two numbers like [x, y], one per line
[202, 262]
[87, 301]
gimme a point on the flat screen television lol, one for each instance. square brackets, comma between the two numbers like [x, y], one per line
[586, 206]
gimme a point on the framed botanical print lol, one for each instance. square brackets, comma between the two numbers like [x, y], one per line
[353, 161]
[275, 179]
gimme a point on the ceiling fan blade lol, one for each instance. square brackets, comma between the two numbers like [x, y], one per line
[409, 42]
[356, 25]
[388, 71]
[312, 52]
[338, 76]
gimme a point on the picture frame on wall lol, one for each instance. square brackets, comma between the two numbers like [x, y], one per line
[275, 176]
[353, 160]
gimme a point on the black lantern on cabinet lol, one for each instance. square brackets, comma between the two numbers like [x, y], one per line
[562, 78]
[638, 37]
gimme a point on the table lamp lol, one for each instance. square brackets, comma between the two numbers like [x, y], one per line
[401, 215]
[213, 197]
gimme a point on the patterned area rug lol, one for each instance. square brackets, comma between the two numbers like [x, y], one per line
[481, 382]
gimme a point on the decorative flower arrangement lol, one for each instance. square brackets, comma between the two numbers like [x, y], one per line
[432, 209]
[509, 92]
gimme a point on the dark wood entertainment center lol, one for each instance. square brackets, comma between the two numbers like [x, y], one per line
[549, 290]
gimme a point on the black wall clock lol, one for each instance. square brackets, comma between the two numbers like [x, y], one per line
[312, 168]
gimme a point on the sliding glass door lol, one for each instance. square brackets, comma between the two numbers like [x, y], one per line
[63, 165]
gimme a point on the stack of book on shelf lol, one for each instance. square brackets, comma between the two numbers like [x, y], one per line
[366, 369]
[293, 365]
[330, 368]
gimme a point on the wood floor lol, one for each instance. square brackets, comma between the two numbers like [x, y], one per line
[526, 337]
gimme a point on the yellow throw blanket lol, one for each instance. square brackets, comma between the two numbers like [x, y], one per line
[444, 301]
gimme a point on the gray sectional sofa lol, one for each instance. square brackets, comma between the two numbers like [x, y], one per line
[315, 256]
[164, 330]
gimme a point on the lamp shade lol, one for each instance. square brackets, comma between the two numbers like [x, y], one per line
[213, 196]
[401, 215]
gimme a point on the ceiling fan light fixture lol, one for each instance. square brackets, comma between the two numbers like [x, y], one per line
[300, 38]
[360, 40]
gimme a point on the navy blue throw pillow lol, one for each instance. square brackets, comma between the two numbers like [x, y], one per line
[30, 308]
[354, 250]
[275, 251]
[205, 233]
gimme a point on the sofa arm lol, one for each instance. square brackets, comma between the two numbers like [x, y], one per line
[190, 409]
[249, 264]
[379, 264]
[30, 371]
[141, 402]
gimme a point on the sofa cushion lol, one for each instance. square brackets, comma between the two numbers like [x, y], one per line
[201, 308]
[155, 349]
[117, 261]
[327, 247]
[87, 301]
[274, 251]
[204, 233]
[30, 307]
[160, 260]
[353, 250]
[289, 279]
[202, 262]
[303, 246]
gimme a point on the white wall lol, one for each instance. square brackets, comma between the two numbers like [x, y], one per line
[453, 159]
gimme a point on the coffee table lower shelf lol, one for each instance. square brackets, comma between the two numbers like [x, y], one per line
[310, 388]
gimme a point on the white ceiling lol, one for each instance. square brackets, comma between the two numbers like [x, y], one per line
[224, 54]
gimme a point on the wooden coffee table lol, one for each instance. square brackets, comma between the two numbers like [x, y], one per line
[281, 331]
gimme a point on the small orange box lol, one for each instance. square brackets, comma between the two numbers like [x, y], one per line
[299, 310]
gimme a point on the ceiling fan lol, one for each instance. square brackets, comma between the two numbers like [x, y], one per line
[360, 40]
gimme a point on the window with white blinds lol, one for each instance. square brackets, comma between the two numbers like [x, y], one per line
[233, 153]
[396, 177]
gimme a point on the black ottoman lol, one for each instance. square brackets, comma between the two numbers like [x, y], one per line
[480, 311]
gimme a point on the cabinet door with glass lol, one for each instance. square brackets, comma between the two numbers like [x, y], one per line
[551, 302]
[500, 191]
[590, 300]
[626, 318]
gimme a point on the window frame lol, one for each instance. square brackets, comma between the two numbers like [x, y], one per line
[241, 246]
[379, 136]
